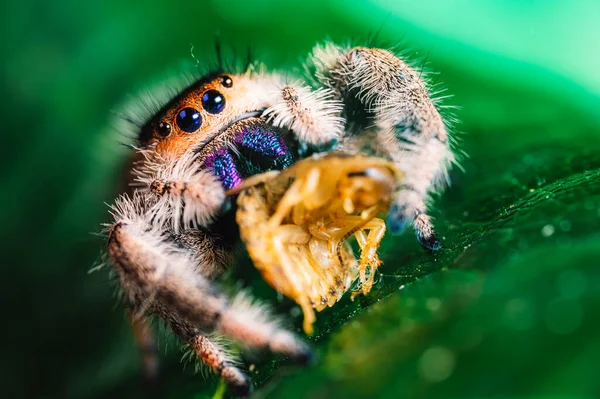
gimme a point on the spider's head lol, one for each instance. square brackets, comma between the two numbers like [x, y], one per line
[219, 118]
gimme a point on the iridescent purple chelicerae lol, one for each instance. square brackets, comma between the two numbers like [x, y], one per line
[247, 148]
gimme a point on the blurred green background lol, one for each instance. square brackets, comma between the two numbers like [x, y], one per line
[509, 308]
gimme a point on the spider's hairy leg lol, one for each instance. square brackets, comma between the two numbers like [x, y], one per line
[312, 115]
[214, 356]
[390, 114]
[159, 276]
[219, 361]
[144, 339]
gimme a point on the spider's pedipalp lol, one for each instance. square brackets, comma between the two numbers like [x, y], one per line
[313, 116]
[186, 196]
[390, 114]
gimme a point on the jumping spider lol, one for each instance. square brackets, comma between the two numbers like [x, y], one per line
[175, 233]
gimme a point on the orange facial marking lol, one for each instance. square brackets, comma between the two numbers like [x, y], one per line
[179, 141]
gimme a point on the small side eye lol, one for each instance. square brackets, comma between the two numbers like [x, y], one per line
[189, 120]
[163, 129]
[213, 101]
[226, 81]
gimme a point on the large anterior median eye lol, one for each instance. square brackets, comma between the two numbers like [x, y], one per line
[189, 120]
[213, 101]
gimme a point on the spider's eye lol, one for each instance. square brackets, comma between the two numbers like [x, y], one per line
[226, 81]
[213, 101]
[189, 120]
[164, 129]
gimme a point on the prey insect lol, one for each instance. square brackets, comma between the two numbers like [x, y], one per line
[175, 233]
[295, 225]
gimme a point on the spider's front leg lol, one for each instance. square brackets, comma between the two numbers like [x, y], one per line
[389, 113]
[160, 273]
